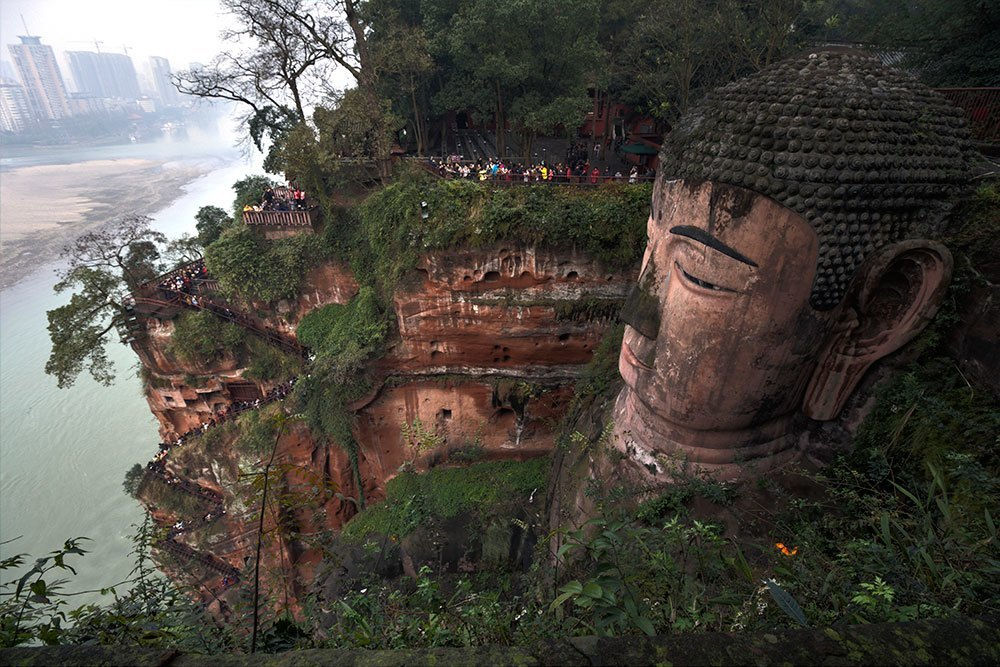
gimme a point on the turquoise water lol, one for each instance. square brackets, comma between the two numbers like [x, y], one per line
[64, 452]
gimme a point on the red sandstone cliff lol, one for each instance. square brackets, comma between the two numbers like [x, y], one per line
[489, 343]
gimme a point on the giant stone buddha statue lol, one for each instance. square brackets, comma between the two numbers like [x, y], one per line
[791, 245]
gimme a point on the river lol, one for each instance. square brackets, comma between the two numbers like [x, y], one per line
[64, 452]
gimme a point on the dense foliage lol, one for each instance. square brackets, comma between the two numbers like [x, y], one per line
[201, 337]
[254, 269]
[344, 338]
[486, 490]
[144, 609]
[607, 223]
[210, 221]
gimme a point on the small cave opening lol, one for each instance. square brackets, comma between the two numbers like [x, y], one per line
[563, 337]
[435, 354]
[572, 275]
[491, 276]
[445, 414]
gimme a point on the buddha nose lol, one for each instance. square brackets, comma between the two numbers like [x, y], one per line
[642, 312]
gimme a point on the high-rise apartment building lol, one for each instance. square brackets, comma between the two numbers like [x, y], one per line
[15, 114]
[40, 76]
[165, 90]
[122, 81]
[103, 74]
[7, 72]
[85, 68]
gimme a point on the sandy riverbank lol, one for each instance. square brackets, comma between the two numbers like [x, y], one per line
[42, 208]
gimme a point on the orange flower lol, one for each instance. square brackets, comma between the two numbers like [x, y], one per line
[785, 551]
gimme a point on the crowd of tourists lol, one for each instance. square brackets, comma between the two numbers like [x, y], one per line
[289, 198]
[498, 169]
[185, 279]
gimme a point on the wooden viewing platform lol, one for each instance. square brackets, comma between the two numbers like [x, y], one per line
[304, 218]
[282, 224]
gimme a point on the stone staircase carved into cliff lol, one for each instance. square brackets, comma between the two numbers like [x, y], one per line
[181, 550]
[152, 299]
[184, 486]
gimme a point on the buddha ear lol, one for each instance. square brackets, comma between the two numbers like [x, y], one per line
[897, 293]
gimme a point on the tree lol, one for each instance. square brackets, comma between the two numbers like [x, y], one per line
[273, 77]
[184, 250]
[249, 191]
[133, 479]
[663, 55]
[402, 52]
[102, 268]
[341, 31]
[210, 221]
[950, 42]
[523, 62]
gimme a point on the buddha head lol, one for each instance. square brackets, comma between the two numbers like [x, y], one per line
[790, 246]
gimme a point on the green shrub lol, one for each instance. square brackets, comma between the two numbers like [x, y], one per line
[268, 363]
[336, 329]
[201, 337]
[607, 223]
[412, 499]
[250, 267]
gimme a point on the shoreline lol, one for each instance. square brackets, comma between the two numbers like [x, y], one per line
[45, 207]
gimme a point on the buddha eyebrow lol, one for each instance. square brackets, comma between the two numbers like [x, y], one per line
[702, 236]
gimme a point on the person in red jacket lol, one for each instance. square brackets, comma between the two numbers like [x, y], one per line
[595, 176]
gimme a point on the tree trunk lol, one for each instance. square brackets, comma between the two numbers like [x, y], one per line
[593, 125]
[501, 135]
[416, 122]
[299, 111]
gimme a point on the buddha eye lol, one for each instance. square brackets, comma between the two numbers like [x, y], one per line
[701, 283]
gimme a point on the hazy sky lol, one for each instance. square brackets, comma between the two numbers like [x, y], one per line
[183, 31]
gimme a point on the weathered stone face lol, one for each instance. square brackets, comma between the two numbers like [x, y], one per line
[790, 247]
[732, 341]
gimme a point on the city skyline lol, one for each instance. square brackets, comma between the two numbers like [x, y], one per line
[101, 82]
[140, 27]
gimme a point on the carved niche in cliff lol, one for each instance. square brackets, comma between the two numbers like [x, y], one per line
[790, 246]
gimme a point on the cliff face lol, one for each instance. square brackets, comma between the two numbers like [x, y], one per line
[504, 312]
[489, 344]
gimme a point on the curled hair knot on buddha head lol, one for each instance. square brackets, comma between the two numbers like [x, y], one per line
[864, 152]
